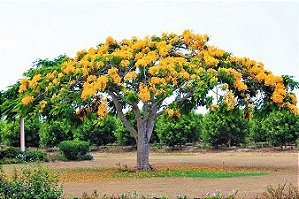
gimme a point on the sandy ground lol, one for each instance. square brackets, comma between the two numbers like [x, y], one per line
[283, 167]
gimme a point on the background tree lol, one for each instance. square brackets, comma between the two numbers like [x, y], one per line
[97, 132]
[223, 127]
[149, 76]
[178, 130]
[281, 127]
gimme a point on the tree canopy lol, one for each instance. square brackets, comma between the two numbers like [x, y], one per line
[168, 73]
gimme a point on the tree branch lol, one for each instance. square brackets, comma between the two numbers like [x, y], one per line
[120, 113]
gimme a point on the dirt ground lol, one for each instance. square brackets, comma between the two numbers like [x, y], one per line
[283, 167]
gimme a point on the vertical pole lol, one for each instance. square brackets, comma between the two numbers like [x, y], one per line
[22, 134]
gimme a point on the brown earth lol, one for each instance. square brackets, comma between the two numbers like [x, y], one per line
[283, 167]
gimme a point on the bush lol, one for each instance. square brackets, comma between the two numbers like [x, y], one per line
[30, 183]
[54, 132]
[97, 132]
[74, 149]
[14, 155]
[224, 127]
[9, 152]
[178, 131]
[34, 156]
[281, 127]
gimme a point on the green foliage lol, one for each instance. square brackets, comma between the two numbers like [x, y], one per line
[11, 132]
[97, 132]
[257, 133]
[34, 156]
[54, 132]
[75, 149]
[178, 131]
[123, 136]
[9, 152]
[12, 155]
[281, 127]
[36, 182]
[224, 127]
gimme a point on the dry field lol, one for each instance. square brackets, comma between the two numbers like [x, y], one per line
[87, 176]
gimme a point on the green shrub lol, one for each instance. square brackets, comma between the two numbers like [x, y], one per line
[35, 182]
[74, 149]
[34, 156]
[9, 152]
[178, 131]
[224, 127]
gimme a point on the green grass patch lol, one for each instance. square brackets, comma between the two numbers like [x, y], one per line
[187, 174]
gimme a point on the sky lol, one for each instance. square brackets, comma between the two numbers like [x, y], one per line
[264, 31]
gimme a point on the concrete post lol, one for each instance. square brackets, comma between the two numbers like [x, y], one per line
[22, 134]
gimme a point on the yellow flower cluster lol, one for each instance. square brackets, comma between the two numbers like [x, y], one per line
[139, 44]
[112, 72]
[68, 67]
[102, 109]
[27, 100]
[125, 63]
[34, 81]
[238, 84]
[194, 41]
[144, 93]
[292, 108]
[279, 94]
[43, 104]
[23, 86]
[94, 85]
[50, 76]
[215, 52]
[131, 75]
[230, 100]
[187, 36]
[163, 48]
[123, 52]
[147, 59]
[172, 113]
[110, 40]
[209, 60]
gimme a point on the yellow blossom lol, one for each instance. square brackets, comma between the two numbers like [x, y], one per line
[102, 109]
[43, 104]
[23, 86]
[130, 75]
[110, 40]
[27, 100]
[144, 93]
[34, 81]
[125, 63]
[230, 100]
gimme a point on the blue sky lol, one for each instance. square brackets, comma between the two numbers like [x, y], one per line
[264, 31]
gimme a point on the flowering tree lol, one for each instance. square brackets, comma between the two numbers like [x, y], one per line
[150, 76]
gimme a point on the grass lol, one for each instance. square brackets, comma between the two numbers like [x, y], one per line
[187, 174]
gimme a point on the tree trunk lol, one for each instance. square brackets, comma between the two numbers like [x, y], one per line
[143, 149]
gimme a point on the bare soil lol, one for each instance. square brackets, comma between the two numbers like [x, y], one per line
[283, 167]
